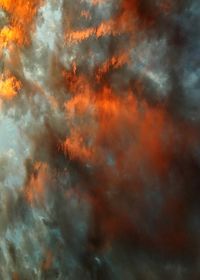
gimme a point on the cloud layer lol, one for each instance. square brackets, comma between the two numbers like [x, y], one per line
[99, 139]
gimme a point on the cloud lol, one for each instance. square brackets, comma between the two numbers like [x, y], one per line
[99, 140]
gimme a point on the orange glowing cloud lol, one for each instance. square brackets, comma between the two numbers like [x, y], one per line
[112, 27]
[16, 33]
[9, 87]
[114, 62]
[133, 132]
[21, 15]
[8, 35]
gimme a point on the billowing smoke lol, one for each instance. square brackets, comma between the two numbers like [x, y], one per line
[99, 139]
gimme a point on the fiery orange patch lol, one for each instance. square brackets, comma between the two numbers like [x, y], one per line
[97, 119]
[9, 87]
[17, 32]
[21, 15]
[112, 27]
[8, 35]
[114, 62]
